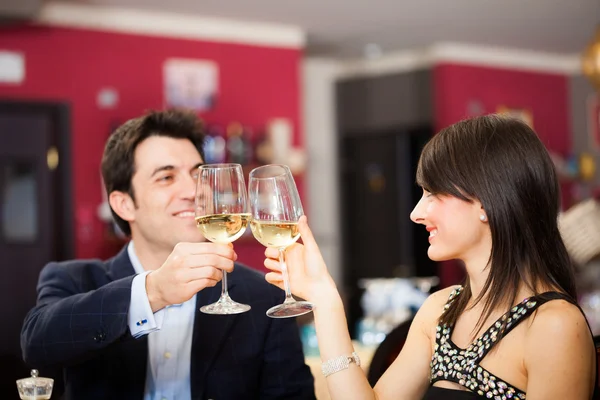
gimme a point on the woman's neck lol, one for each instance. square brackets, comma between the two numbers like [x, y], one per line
[478, 271]
[478, 278]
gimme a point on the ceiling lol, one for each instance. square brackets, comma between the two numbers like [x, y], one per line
[342, 28]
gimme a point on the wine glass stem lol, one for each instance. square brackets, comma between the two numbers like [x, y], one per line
[286, 279]
[224, 293]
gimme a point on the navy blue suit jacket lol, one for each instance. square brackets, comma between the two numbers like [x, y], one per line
[80, 324]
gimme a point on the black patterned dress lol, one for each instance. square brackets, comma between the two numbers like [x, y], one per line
[462, 366]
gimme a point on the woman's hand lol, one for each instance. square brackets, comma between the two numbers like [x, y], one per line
[309, 278]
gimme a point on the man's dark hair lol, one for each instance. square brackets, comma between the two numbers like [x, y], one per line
[118, 164]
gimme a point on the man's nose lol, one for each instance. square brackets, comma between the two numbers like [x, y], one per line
[189, 189]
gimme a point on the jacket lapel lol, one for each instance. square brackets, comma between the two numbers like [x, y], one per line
[210, 334]
[120, 266]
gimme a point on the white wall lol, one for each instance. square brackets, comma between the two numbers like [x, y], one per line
[318, 77]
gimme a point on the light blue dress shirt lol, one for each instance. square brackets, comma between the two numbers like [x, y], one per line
[169, 339]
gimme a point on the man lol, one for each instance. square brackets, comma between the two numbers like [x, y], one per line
[130, 328]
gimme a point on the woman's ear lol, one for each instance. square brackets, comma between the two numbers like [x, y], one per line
[482, 214]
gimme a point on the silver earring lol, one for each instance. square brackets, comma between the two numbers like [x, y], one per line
[482, 217]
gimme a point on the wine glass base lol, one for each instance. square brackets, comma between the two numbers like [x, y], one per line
[225, 307]
[292, 309]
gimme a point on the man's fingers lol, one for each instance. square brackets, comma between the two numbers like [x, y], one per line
[222, 250]
[199, 284]
[194, 274]
[208, 260]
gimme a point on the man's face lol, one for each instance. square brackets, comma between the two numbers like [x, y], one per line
[164, 185]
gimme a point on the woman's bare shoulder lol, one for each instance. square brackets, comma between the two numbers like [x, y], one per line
[433, 307]
[558, 318]
[442, 296]
[558, 328]
[559, 352]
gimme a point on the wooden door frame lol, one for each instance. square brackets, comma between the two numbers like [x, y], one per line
[61, 138]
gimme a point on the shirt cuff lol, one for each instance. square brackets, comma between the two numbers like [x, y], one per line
[140, 318]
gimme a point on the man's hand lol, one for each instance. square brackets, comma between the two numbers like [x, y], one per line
[190, 268]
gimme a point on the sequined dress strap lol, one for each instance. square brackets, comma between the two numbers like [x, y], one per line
[511, 319]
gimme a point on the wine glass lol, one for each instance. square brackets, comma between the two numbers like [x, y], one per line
[275, 206]
[222, 217]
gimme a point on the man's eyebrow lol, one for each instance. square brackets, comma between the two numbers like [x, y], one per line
[162, 168]
[196, 166]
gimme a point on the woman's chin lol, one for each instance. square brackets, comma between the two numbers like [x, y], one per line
[437, 255]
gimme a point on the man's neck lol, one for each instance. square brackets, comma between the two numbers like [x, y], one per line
[150, 257]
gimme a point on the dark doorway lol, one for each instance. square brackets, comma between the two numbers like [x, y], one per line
[378, 193]
[36, 216]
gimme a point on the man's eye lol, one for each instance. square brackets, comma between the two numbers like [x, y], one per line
[166, 178]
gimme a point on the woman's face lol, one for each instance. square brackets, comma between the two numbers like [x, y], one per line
[455, 228]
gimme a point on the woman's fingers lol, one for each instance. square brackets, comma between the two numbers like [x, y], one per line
[274, 253]
[275, 278]
[273, 265]
[306, 234]
[271, 253]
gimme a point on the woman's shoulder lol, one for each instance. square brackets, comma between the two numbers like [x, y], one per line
[556, 326]
[557, 318]
[432, 308]
[443, 296]
[558, 347]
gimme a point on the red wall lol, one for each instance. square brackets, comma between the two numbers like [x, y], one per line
[72, 65]
[460, 88]
[545, 95]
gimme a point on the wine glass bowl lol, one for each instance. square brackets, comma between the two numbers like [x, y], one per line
[276, 208]
[222, 217]
[223, 228]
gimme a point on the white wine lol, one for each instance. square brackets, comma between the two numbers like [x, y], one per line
[222, 228]
[278, 234]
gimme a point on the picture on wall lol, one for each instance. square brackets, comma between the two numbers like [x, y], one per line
[191, 84]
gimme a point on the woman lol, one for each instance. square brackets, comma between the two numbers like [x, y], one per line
[513, 330]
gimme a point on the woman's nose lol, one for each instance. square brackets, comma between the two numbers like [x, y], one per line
[417, 214]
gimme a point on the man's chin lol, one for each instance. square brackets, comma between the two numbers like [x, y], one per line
[195, 237]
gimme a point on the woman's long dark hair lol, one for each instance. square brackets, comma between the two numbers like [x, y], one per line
[502, 163]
